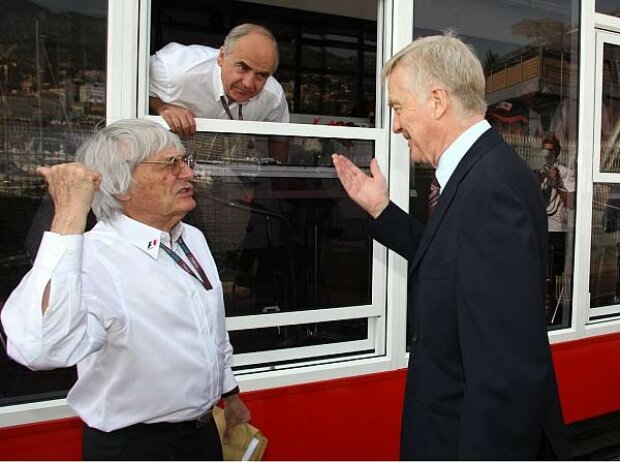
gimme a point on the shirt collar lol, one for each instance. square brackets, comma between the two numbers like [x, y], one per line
[451, 157]
[145, 237]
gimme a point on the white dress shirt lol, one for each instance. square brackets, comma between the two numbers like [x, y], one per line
[451, 157]
[149, 341]
[189, 76]
[557, 212]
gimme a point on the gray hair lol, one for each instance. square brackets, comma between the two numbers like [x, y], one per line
[245, 29]
[115, 151]
[446, 60]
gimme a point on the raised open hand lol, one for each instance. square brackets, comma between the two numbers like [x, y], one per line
[369, 192]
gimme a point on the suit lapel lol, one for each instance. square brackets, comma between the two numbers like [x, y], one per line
[483, 145]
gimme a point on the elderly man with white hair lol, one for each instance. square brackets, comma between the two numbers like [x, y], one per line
[136, 302]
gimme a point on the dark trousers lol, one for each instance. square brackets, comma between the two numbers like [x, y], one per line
[160, 441]
[545, 450]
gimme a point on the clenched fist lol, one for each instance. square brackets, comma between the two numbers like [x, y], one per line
[72, 187]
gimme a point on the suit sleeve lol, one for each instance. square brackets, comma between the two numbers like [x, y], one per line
[502, 334]
[398, 231]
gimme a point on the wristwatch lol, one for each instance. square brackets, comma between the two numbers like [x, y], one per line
[234, 391]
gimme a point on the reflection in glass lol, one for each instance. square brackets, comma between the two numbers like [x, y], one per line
[529, 52]
[312, 56]
[52, 88]
[284, 235]
[274, 338]
[370, 61]
[610, 7]
[605, 252]
[341, 58]
[286, 49]
[610, 110]
[311, 94]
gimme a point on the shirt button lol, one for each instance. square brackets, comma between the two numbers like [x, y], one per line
[70, 251]
[414, 338]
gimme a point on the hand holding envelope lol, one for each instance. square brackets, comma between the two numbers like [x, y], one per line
[246, 442]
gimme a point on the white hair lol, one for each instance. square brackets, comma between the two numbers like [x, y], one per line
[115, 151]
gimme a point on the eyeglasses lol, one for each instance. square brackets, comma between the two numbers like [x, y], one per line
[175, 163]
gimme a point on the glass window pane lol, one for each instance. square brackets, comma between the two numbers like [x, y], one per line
[370, 62]
[529, 51]
[605, 251]
[312, 56]
[284, 235]
[277, 338]
[326, 57]
[287, 49]
[610, 109]
[340, 95]
[52, 87]
[311, 87]
[337, 58]
[610, 7]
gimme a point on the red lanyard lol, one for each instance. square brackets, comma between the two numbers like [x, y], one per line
[204, 280]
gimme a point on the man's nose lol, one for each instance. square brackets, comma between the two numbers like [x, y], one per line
[187, 172]
[396, 127]
[249, 80]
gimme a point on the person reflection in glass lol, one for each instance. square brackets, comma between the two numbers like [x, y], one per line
[558, 186]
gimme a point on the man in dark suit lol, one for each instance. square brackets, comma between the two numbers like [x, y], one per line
[481, 383]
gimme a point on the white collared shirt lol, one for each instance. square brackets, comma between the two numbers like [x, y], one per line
[149, 341]
[189, 76]
[451, 157]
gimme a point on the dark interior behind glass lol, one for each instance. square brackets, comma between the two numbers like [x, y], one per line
[52, 93]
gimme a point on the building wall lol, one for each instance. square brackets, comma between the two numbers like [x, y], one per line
[352, 419]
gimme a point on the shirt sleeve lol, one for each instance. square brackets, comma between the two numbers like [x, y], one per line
[568, 179]
[159, 78]
[279, 111]
[65, 333]
[282, 114]
[228, 381]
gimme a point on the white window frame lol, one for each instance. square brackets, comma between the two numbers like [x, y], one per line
[126, 92]
[395, 19]
[125, 75]
[606, 33]
[376, 311]
[594, 28]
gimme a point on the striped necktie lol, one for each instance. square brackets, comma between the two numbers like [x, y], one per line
[433, 197]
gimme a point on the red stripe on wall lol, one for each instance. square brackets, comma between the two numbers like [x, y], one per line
[54, 440]
[588, 373]
[352, 418]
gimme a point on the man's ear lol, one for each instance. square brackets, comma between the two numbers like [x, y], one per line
[220, 57]
[439, 101]
[122, 197]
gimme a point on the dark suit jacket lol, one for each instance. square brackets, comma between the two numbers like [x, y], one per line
[481, 383]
